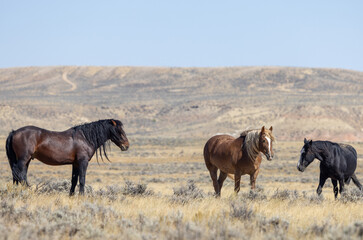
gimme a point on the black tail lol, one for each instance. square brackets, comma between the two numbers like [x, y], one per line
[11, 154]
[9, 149]
[356, 182]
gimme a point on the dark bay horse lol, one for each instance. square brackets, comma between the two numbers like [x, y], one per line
[337, 161]
[74, 146]
[238, 156]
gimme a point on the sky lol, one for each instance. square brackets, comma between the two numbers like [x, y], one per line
[307, 33]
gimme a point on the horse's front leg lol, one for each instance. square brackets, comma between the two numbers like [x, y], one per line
[83, 164]
[253, 178]
[237, 180]
[322, 180]
[75, 175]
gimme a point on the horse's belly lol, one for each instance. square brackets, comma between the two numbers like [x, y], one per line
[53, 158]
[224, 165]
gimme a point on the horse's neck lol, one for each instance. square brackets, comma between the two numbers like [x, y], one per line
[320, 151]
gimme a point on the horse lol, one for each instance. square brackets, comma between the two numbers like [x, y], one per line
[74, 146]
[238, 156]
[337, 161]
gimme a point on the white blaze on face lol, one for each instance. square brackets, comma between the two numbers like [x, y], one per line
[269, 145]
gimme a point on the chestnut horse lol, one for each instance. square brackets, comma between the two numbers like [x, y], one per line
[238, 156]
[74, 146]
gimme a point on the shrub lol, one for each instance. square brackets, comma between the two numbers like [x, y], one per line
[188, 192]
[313, 198]
[56, 186]
[285, 195]
[274, 222]
[256, 194]
[134, 189]
[111, 192]
[241, 212]
[351, 195]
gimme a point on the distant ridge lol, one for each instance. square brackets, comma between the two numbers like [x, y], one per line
[187, 102]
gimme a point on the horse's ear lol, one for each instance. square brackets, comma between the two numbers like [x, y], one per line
[311, 142]
[113, 122]
[305, 141]
[271, 128]
[263, 129]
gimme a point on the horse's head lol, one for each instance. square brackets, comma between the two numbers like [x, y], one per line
[306, 156]
[265, 143]
[118, 135]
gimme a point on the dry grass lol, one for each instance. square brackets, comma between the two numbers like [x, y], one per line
[171, 198]
[27, 214]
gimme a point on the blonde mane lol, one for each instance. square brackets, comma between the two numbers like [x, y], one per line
[251, 141]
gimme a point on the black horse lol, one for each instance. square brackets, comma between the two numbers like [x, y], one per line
[74, 146]
[337, 161]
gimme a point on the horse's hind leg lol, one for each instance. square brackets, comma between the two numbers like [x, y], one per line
[212, 171]
[75, 175]
[341, 186]
[222, 177]
[335, 187]
[20, 170]
[356, 182]
[213, 174]
[26, 173]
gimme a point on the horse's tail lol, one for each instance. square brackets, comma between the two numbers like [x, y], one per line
[10, 152]
[356, 182]
[9, 149]
[206, 154]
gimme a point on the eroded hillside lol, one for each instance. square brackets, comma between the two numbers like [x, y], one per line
[187, 102]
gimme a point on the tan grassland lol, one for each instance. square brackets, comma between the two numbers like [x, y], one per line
[284, 206]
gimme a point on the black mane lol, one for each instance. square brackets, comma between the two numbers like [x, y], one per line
[98, 133]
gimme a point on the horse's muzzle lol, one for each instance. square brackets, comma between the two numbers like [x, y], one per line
[269, 157]
[300, 168]
[124, 147]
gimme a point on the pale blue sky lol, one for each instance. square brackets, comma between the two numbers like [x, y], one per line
[182, 33]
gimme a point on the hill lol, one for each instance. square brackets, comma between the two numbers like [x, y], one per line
[187, 103]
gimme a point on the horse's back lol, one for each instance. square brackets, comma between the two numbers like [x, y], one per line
[33, 133]
[28, 130]
[348, 150]
[218, 143]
